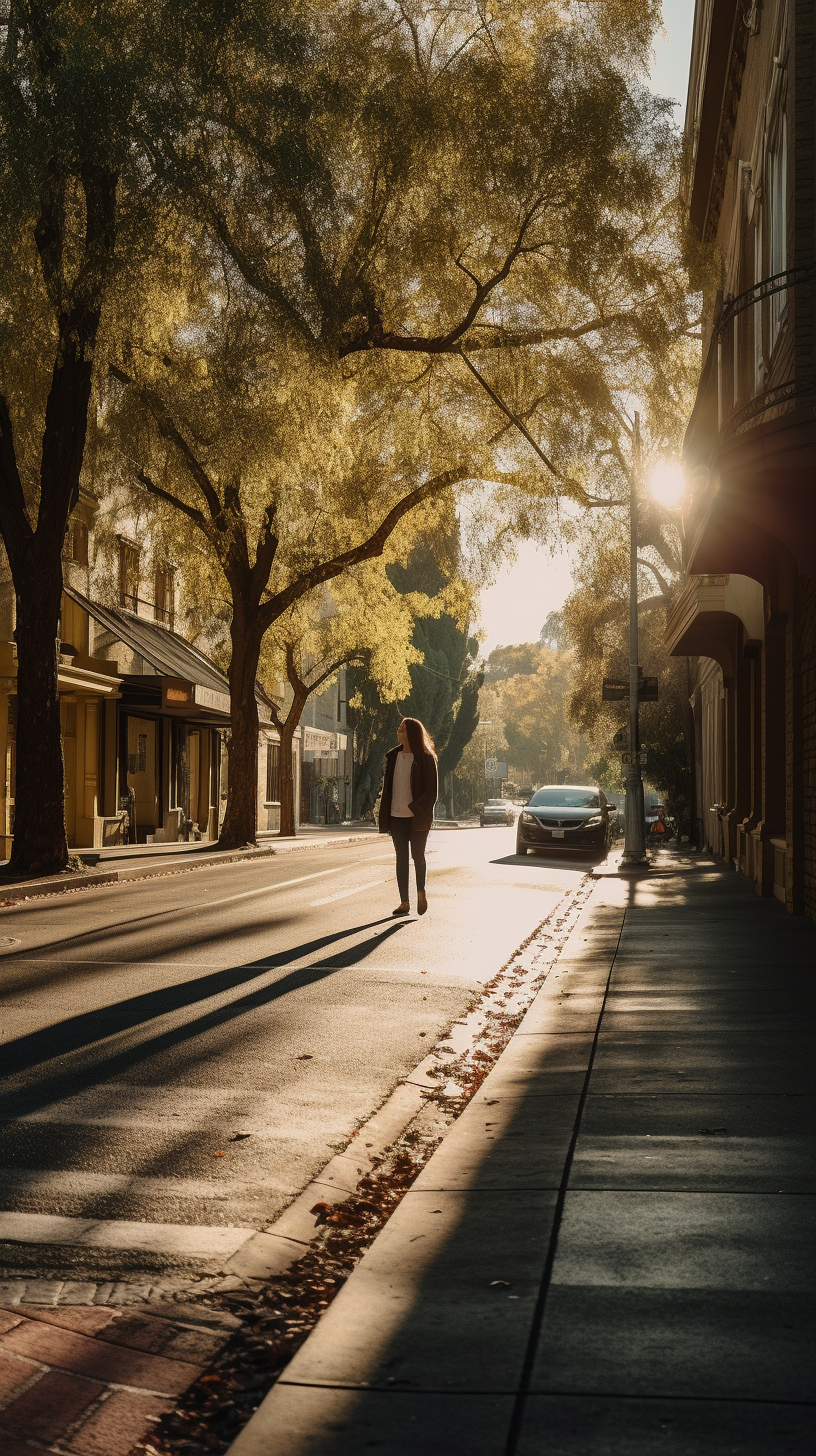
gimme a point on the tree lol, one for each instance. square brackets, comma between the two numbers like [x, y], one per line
[520, 658]
[443, 684]
[362, 621]
[552, 631]
[292, 479]
[526, 688]
[69, 79]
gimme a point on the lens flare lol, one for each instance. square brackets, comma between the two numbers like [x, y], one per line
[667, 483]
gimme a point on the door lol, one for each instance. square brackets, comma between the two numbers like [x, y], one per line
[141, 773]
[194, 758]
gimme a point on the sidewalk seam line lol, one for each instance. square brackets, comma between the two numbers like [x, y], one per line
[541, 1300]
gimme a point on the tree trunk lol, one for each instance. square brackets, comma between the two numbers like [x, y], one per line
[287, 772]
[240, 819]
[39, 846]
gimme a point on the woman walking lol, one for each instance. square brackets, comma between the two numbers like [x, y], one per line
[406, 808]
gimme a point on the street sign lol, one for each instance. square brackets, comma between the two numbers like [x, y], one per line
[620, 742]
[615, 690]
[628, 758]
[494, 769]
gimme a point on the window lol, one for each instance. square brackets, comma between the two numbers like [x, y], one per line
[164, 596]
[759, 359]
[273, 774]
[128, 575]
[778, 239]
[76, 543]
[566, 798]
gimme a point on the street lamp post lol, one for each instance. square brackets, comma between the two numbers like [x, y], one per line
[485, 723]
[634, 847]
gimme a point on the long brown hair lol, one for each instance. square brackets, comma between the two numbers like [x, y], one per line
[419, 739]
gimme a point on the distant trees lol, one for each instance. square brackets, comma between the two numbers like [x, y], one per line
[524, 701]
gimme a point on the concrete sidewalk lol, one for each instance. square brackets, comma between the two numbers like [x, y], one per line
[613, 1252]
[123, 863]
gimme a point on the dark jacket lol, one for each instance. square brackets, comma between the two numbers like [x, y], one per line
[424, 790]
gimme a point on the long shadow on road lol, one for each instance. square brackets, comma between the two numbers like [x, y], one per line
[78, 1032]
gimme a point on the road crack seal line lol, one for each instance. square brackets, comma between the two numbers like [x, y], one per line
[279, 1314]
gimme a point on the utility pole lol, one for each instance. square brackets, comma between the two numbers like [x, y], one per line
[634, 849]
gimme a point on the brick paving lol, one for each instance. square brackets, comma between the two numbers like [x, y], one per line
[91, 1380]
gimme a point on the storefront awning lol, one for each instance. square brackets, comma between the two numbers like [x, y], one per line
[186, 681]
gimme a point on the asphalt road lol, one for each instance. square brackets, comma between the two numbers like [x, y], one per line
[144, 1026]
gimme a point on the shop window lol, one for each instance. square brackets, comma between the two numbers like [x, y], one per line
[128, 575]
[273, 773]
[137, 762]
[164, 595]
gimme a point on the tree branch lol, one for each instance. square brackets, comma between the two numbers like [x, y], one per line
[173, 500]
[366, 551]
[258, 279]
[375, 337]
[265, 553]
[15, 523]
[513, 418]
[661, 581]
[170, 431]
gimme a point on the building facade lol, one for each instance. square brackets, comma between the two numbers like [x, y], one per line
[749, 604]
[328, 761]
[145, 712]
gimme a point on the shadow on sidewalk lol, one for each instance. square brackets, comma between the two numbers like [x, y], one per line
[613, 1250]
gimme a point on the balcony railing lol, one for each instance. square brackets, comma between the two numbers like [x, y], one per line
[779, 283]
[754, 351]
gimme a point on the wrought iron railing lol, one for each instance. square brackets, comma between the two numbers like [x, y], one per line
[778, 283]
[754, 365]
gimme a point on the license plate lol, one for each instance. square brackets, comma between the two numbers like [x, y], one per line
[558, 834]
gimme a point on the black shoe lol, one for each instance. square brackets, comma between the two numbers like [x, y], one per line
[402, 910]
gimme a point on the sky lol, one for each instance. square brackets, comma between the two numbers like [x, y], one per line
[527, 590]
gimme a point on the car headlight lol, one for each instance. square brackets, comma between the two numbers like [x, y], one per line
[528, 818]
[591, 823]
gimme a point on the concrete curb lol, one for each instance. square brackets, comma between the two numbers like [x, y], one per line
[13, 892]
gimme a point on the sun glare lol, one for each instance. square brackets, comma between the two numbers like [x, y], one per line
[667, 483]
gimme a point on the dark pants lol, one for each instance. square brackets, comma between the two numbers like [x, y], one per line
[403, 834]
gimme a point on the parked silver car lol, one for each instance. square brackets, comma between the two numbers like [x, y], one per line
[498, 811]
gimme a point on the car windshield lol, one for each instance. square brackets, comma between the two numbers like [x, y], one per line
[499, 803]
[558, 797]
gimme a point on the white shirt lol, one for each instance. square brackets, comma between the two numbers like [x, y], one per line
[401, 788]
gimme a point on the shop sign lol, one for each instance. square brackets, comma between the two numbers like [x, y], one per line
[209, 698]
[176, 694]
